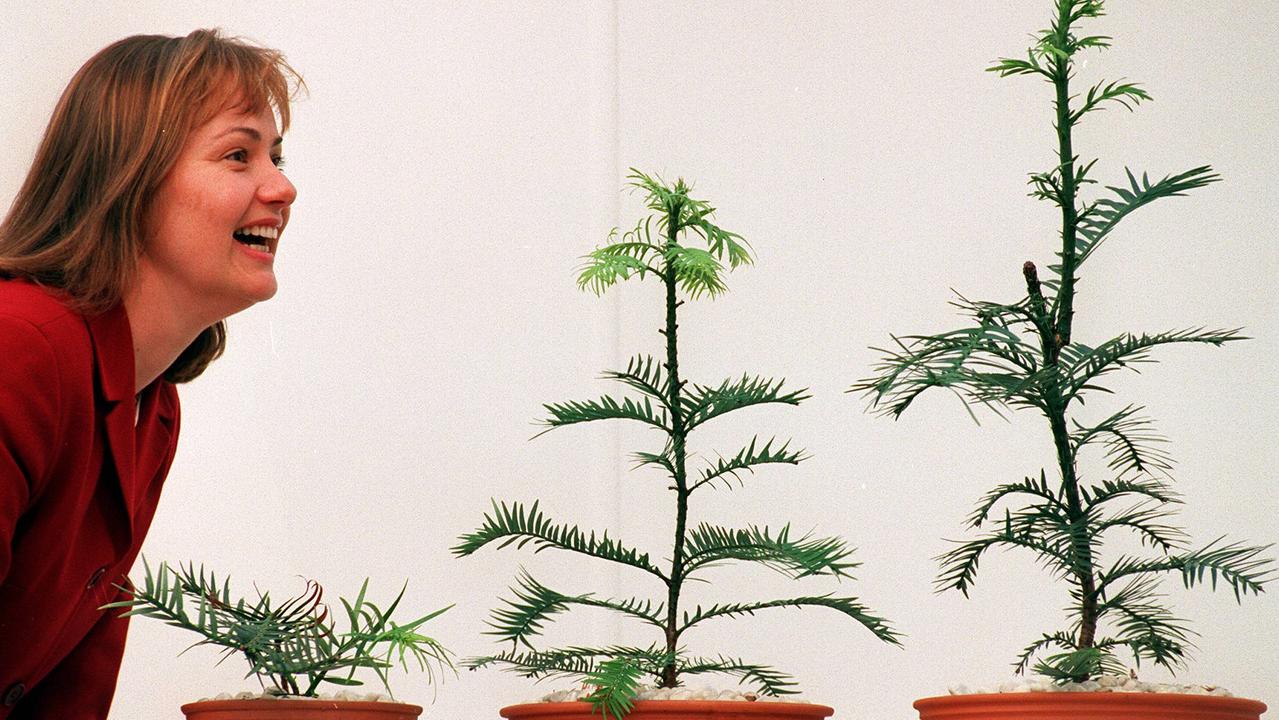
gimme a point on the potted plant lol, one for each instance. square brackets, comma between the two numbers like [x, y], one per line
[1025, 356]
[664, 246]
[293, 648]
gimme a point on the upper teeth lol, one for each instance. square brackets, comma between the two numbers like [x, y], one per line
[265, 231]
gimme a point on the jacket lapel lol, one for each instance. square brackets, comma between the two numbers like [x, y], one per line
[113, 361]
[154, 436]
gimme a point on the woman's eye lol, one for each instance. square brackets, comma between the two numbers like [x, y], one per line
[278, 161]
[238, 156]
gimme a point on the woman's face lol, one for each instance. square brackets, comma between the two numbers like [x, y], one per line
[213, 226]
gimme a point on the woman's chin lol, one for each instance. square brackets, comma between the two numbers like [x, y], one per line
[247, 299]
[268, 291]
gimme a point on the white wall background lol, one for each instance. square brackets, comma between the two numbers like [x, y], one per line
[455, 159]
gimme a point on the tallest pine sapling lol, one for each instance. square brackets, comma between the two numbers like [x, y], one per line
[662, 247]
[1025, 355]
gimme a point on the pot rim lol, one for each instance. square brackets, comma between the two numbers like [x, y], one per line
[300, 703]
[1091, 698]
[660, 707]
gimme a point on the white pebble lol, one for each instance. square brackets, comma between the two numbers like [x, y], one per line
[1104, 683]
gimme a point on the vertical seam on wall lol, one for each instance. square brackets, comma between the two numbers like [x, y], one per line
[616, 302]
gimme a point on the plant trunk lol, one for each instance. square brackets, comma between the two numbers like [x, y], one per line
[1081, 549]
[1069, 217]
[1082, 552]
[670, 671]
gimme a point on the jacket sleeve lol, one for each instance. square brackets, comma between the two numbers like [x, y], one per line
[29, 423]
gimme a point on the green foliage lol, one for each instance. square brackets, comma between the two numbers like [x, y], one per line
[765, 679]
[292, 647]
[534, 603]
[1098, 218]
[747, 459]
[703, 403]
[514, 524]
[696, 271]
[617, 682]
[1023, 355]
[662, 246]
[708, 545]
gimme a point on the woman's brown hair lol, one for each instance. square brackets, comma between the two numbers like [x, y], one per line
[76, 223]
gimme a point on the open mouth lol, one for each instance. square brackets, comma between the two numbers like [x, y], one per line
[257, 237]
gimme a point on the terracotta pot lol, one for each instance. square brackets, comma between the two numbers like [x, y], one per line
[674, 710]
[1090, 705]
[299, 710]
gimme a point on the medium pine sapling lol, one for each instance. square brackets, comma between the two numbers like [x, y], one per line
[664, 247]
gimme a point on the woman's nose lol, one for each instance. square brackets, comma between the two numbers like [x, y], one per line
[277, 189]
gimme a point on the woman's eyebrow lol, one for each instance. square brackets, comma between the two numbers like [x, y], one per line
[253, 134]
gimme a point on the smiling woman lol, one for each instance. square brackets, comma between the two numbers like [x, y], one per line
[153, 210]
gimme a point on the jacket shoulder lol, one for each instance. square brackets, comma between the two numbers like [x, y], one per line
[44, 308]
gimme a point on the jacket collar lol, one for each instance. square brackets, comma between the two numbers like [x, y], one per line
[113, 354]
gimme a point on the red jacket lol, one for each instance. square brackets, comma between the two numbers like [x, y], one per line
[79, 483]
